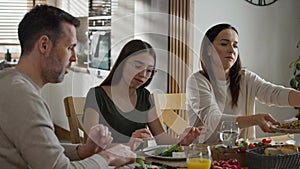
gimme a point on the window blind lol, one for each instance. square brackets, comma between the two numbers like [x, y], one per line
[77, 8]
[11, 13]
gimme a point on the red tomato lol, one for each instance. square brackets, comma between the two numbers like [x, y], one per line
[251, 145]
[266, 141]
[244, 149]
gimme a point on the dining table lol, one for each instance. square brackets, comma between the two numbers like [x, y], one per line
[181, 164]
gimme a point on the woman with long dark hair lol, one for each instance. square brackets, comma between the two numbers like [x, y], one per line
[122, 102]
[224, 91]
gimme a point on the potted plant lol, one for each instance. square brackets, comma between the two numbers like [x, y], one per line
[295, 81]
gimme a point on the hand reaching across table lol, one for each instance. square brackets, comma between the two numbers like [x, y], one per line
[262, 120]
[189, 135]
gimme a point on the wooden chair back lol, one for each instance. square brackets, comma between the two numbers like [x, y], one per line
[74, 111]
[171, 108]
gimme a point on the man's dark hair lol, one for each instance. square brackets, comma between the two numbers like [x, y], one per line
[43, 20]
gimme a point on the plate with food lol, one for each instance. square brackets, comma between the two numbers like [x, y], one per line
[168, 152]
[140, 164]
[287, 127]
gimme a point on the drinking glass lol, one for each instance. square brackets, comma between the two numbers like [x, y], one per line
[198, 157]
[229, 133]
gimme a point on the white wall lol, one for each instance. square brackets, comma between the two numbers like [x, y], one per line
[122, 26]
[146, 20]
[75, 84]
[267, 37]
[152, 25]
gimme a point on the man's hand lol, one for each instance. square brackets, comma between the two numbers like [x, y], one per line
[99, 138]
[118, 155]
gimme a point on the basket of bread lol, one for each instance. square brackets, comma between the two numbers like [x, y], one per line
[237, 152]
[277, 157]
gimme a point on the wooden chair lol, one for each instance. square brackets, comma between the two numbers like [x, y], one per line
[171, 111]
[74, 110]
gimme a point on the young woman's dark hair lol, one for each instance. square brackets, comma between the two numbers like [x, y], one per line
[130, 49]
[235, 70]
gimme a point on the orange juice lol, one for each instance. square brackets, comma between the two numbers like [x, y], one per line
[198, 163]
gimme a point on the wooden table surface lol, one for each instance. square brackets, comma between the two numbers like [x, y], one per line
[181, 164]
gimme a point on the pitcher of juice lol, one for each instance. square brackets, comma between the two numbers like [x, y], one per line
[198, 157]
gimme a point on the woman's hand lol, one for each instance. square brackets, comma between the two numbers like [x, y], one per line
[189, 135]
[99, 138]
[138, 137]
[134, 143]
[143, 133]
[262, 120]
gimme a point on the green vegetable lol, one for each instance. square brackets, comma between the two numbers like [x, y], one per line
[168, 152]
[163, 167]
[140, 161]
[163, 151]
[160, 150]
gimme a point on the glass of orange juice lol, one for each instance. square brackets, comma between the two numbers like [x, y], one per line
[198, 157]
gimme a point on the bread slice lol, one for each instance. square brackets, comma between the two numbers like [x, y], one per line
[288, 149]
[271, 151]
[283, 149]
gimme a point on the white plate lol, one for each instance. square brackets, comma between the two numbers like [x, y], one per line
[150, 151]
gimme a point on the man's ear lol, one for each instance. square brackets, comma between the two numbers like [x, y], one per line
[43, 44]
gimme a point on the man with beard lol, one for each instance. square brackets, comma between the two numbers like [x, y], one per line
[27, 140]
